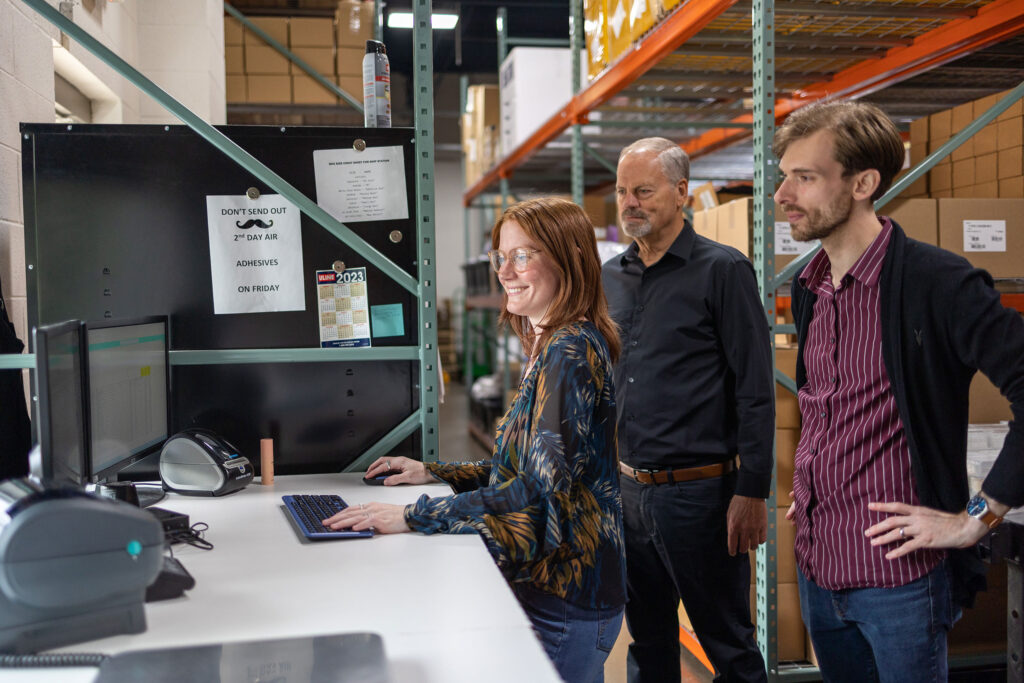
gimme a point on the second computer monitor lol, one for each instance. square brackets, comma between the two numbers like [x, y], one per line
[129, 396]
[62, 412]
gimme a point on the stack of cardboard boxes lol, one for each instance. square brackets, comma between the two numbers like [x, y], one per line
[480, 137]
[989, 165]
[334, 48]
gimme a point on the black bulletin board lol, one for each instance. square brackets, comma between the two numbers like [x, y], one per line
[116, 227]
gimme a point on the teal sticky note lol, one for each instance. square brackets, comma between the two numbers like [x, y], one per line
[386, 320]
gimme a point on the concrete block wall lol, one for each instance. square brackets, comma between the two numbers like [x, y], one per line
[179, 45]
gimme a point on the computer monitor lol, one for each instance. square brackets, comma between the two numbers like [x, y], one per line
[129, 392]
[62, 412]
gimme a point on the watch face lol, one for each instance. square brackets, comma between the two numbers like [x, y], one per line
[976, 506]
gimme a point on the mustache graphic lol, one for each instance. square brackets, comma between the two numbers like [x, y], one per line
[255, 221]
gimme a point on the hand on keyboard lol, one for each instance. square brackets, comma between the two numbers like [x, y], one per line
[383, 518]
[400, 470]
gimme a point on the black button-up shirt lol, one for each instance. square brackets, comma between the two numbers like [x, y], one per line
[694, 382]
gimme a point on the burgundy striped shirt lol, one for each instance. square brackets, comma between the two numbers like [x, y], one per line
[853, 449]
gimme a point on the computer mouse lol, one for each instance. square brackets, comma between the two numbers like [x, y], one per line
[376, 481]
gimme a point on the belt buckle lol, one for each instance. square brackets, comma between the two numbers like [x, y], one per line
[644, 470]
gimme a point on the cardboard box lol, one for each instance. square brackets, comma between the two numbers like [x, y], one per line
[1011, 188]
[232, 31]
[305, 90]
[785, 536]
[705, 223]
[598, 209]
[263, 59]
[349, 61]
[1010, 133]
[940, 125]
[234, 88]
[269, 88]
[985, 168]
[735, 225]
[963, 172]
[484, 101]
[787, 408]
[919, 131]
[275, 27]
[353, 85]
[353, 23]
[704, 196]
[987, 404]
[963, 116]
[321, 59]
[1015, 109]
[939, 194]
[966, 192]
[991, 226]
[1010, 162]
[790, 625]
[234, 59]
[919, 218]
[535, 84]
[989, 190]
[918, 188]
[983, 627]
[786, 441]
[811, 656]
[940, 178]
[311, 32]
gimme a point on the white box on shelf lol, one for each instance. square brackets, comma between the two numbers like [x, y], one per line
[535, 83]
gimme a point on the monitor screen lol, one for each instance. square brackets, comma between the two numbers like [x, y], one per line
[62, 415]
[128, 392]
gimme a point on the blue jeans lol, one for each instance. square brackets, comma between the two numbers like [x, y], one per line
[577, 640]
[881, 634]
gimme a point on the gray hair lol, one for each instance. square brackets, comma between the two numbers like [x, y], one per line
[675, 163]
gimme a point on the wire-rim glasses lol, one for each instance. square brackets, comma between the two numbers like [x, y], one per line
[520, 258]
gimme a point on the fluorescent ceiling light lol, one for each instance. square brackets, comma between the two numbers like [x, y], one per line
[438, 21]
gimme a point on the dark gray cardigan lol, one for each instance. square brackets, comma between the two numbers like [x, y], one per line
[941, 322]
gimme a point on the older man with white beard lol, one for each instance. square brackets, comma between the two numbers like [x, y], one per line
[695, 390]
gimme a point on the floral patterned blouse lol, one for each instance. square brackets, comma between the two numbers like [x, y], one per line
[547, 505]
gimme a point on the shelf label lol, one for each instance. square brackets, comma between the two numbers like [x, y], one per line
[984, 236]
[785, 245]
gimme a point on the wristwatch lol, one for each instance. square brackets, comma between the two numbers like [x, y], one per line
[977, 507]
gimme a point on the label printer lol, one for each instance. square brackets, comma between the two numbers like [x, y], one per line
[73, 567]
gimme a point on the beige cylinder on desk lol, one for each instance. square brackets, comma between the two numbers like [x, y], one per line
[266, 461]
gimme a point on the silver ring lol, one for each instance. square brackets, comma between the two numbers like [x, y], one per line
[362, 507]
[902, 534]
[388, 463]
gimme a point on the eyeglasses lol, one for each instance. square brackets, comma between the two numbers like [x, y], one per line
[520, 258]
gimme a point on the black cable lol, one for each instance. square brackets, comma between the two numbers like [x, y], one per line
[193, 536]
[49, 661]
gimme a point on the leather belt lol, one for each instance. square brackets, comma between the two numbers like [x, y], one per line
[675, 475]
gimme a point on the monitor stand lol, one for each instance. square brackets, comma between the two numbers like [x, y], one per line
[143, 495]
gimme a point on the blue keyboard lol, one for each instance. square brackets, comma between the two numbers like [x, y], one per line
[309, 511]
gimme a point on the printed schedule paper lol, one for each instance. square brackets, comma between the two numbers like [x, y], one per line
[344, 308]
[358, 186]
[255, 254]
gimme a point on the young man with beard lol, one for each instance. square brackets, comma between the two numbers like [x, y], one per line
[891, 332]
[694, 388]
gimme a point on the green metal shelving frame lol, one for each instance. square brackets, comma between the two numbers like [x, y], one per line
[425, 418]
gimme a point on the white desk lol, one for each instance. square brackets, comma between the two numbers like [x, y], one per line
[443, 609]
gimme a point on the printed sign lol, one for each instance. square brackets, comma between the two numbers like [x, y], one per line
[255, 254]
[984, 236]
[344, 308]
[358, 186]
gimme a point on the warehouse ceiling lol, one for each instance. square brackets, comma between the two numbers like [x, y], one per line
[708, 78]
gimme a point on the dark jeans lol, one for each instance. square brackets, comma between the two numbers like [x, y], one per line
[577, 640]
[881, 634]
[676, 547]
